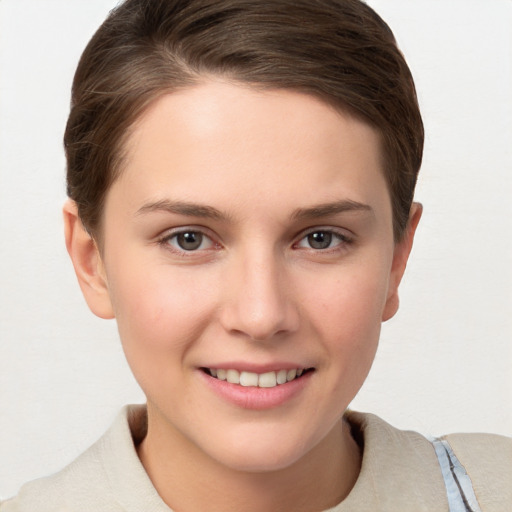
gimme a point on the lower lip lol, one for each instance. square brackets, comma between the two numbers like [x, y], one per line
[252, 397]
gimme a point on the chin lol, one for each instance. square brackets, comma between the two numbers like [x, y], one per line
[267, 452]
[259, 462]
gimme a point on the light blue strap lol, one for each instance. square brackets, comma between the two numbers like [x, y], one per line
[459, 489]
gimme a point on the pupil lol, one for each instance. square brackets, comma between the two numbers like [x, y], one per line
[190, 240]
[320, 240]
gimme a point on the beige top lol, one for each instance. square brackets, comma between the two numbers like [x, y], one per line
[400, 473]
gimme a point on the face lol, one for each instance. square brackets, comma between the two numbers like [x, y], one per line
[249, 238]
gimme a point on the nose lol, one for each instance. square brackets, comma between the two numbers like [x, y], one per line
[259, 299]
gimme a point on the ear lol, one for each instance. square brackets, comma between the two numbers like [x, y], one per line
[87, 262]
[400, 257]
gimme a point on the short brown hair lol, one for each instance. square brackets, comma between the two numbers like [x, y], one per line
[338, 50]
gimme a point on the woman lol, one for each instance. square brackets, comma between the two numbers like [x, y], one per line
[241, 201]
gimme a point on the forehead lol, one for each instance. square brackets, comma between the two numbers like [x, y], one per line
[224, 143]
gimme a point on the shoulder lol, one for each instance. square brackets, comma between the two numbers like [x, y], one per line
[400, 468]
[107, 477]
[69, 489]
[487, 459]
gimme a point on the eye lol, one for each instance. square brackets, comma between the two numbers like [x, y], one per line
[323, 239]
[188, 241]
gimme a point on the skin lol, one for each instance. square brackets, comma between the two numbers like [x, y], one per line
[255, 291]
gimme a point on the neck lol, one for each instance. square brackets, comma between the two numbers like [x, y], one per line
[189, 480]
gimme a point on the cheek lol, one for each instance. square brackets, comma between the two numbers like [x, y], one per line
[158, 312]
[351, 297]
[346, 313]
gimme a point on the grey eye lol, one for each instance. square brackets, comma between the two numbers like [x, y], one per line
[320, 239]
[189, 240]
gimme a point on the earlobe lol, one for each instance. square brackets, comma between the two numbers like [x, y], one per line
[400, 258]
[87, 263]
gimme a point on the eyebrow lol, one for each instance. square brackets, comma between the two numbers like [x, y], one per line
[209, 212]
[182, 208]
[326, 209]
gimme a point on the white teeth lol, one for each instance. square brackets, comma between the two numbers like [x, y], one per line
[250, 379]
[281, 376]
[233, 376]
[291, 374]
[267, 380]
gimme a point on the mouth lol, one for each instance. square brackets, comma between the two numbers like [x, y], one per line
[259, 380]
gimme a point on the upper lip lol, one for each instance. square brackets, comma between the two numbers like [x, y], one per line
[245, 366]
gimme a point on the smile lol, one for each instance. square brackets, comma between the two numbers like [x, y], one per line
[261, 380]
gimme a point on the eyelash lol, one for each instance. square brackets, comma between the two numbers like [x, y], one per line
[165, 241]
[344, 240]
